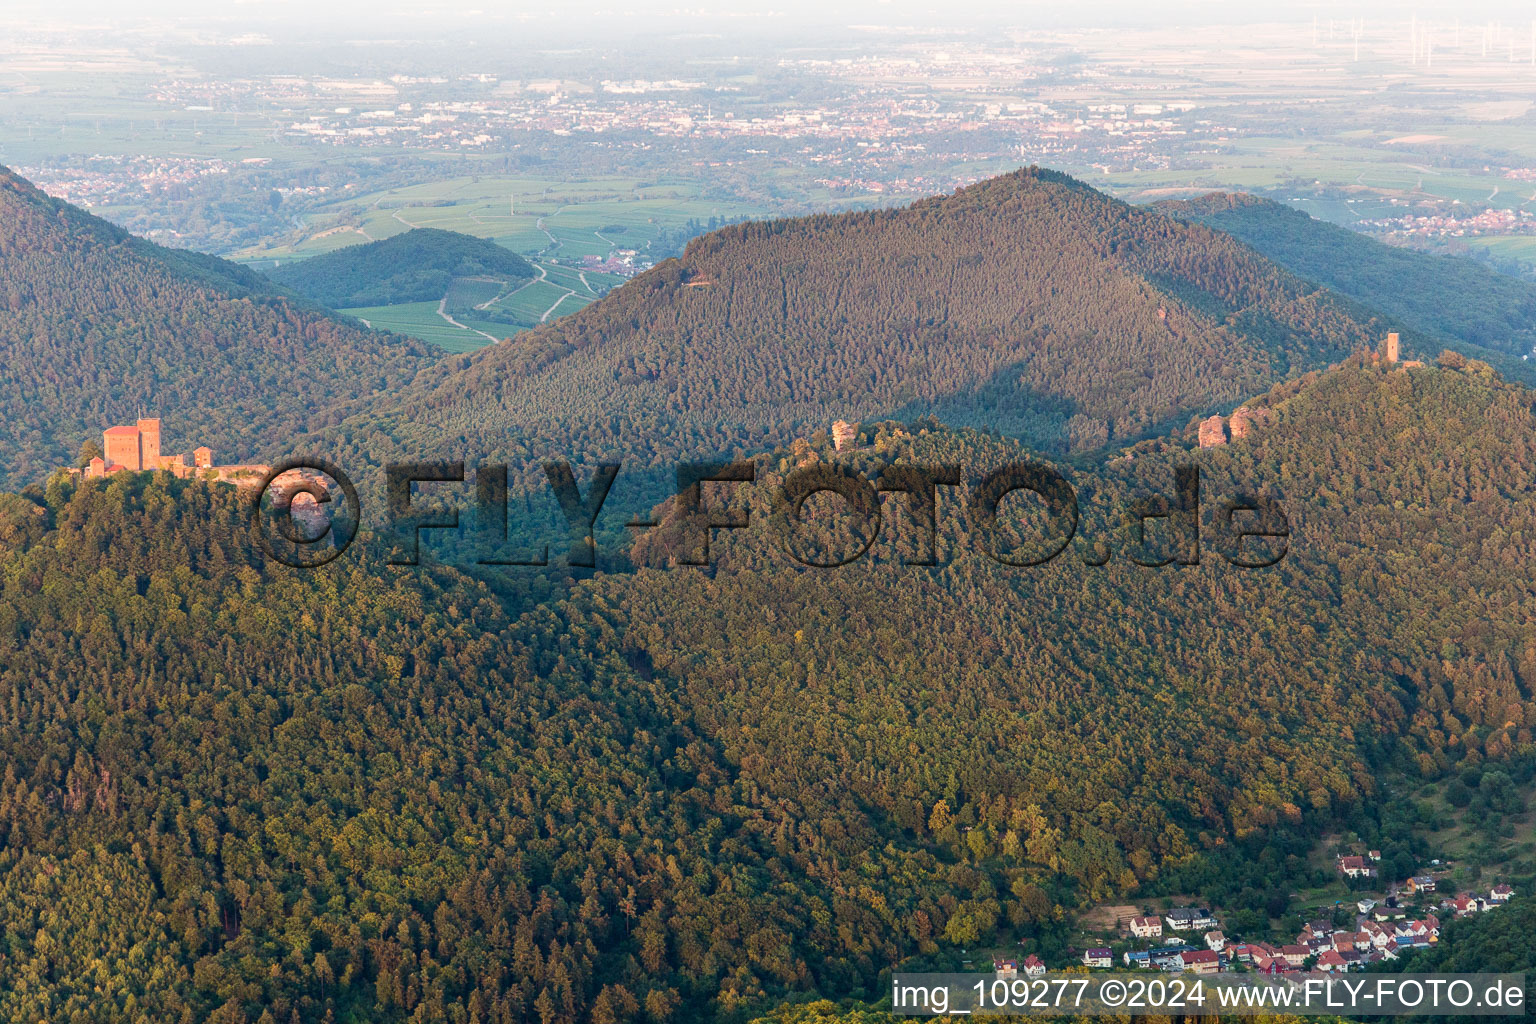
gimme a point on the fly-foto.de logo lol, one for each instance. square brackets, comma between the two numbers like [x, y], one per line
[1154, 529]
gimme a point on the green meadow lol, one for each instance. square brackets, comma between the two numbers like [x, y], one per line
[542, 217]
[473, 302]
[420, 320]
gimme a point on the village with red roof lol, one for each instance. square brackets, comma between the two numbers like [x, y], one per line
[1189, 939]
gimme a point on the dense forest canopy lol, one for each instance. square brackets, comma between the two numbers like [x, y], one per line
[233, 791]
[98, 327]
[440, 793]
[416, 266]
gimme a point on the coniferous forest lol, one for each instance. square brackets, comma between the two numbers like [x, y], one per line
[658, 792]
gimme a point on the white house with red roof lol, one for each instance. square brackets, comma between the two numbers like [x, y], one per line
[1464, 905]
[1356, 867]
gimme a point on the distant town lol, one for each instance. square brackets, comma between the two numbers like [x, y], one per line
[196, 154]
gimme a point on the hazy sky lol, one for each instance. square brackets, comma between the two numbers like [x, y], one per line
[371, 17]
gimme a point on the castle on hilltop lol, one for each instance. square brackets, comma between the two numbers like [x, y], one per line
[136, 449]
[1390, 353]
[1213, 430]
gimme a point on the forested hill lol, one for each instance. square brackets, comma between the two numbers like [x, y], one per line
[1029, 303]
[682, 794]
[96, 325]
[1456, 298]
[416, 266]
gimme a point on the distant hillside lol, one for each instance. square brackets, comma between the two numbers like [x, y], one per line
[1029, 303]
[1453, 297]
[96, 325]
[414, 267]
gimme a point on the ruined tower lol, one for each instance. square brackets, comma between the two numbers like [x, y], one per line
[1212, 432]
[1390, 350]
[1247, 417]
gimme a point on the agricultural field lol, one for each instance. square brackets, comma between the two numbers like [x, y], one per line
[538, 217]
[1345, 177]
[531, 302]
[561, 226]
[467, 293]
[1514, 247]
[421, 320]
[474, 303]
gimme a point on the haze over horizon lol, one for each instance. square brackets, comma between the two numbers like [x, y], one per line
[369, 19]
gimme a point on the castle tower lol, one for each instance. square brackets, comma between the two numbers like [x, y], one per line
[120, 445]
[1390, 349]
[149, 444]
